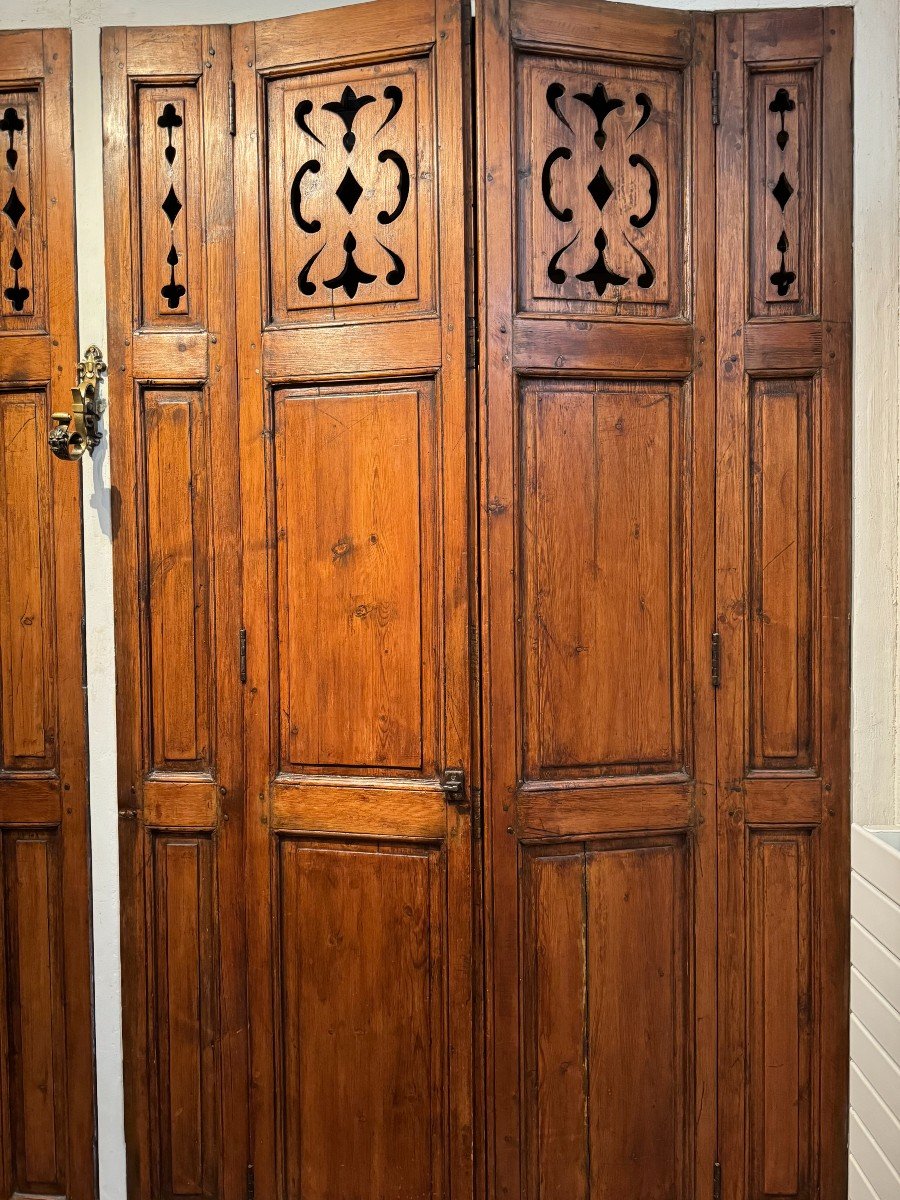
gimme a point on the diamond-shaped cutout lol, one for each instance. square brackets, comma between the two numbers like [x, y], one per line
[171, 206]
[349, 191]
[14, 208]
[782, 191]
[600, 188]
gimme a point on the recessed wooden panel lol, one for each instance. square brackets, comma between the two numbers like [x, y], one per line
[780, 936]
[783, 570]
[362, 1080]
[185, 1018]
[356, 561]
[23, 301]
[33, 1021]
[170, 202]
[602, 547]
[351, 192]
[783, 120]
[607, 979]
[26, 586]
[600, 187]
[178, 603]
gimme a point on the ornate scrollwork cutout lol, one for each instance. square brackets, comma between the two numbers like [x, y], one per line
[602, 187]
[169, 120]
[783, 190]
[357, 271]
[14, 209]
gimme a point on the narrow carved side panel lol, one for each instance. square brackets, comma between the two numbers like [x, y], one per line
[170, 224]
[602, 531]
[23, 301]
[33, 1018]
[361, 1029]
[600, 201]
[351, 192]
[781, 1014]
[27, 735]
[178, 602]
[185, 1018]
[357, 570]
[783, 571]
[607, 987]
[784, 205]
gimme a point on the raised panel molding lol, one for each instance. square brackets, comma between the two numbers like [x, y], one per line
[781, 923]
[185, 1016]
[27, 688]
[607, 969]
[177, 601]
[32, 1075]
[355, 493]
[784, 574]
[603, 534]
[361, 962]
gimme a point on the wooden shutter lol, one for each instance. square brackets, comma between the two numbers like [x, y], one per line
[46, 1047]
[170, 261]
[783, 530]
[351, 219]
[597, 428]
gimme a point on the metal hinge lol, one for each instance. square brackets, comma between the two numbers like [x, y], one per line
[716, 659]
[251, 1182]
[232, 109]
[715, 97]
[471, 342]
[477, 815]
[242, 653]
[717, 1181]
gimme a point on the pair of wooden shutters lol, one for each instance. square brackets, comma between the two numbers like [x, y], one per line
[583, 539]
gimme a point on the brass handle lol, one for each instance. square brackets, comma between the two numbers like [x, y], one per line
[70, 444]
[453, 785]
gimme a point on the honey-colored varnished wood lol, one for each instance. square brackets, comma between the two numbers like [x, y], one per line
[782, 599]
[170, 282]
[46, 1034]
[597, 453]
[350, 182]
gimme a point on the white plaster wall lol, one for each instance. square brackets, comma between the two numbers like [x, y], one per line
[876, 506]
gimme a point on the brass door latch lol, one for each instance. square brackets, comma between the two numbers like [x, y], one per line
[70, 444]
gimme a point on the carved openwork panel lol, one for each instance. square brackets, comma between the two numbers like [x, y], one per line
[351, 193]
[170, 206]
[602, 536]
[600, 166]
[783, 569]
[783, 200]
[22, 237]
